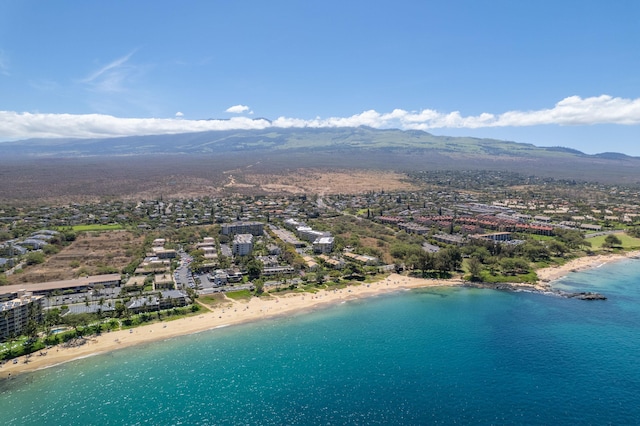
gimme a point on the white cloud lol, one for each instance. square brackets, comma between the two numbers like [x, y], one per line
[113, 76]
[573, 110]
[238, 109]
[179, 114]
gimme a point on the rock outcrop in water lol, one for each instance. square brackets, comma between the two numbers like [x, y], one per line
[544, 289]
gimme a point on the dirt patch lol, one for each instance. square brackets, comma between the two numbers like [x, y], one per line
[316, 181]
[91, 253]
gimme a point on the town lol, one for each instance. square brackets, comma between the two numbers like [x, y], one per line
[76, 269]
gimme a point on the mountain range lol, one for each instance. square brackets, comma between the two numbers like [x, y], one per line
[360, 147]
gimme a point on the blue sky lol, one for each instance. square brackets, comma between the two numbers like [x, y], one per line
[545, 72]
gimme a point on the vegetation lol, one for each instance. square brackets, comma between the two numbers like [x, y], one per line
[91, 228]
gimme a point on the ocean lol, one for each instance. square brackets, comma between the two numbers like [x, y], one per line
[428, 356]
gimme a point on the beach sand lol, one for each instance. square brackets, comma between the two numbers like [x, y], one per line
[255, 309]
[546, 275]
[234, 312]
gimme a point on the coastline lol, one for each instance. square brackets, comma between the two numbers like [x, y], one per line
[234, 312]
[553, 273]
[256, 309]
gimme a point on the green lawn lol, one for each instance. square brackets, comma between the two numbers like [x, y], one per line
[628, 243]
[212, 300]
[239, 295]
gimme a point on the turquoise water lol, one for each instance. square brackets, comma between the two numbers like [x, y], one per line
[421, 357]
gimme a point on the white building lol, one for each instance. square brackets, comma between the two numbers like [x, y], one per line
[323, 245]
[235, 228]
[14, 314]
[242, 244]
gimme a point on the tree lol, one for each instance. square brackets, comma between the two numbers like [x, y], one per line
[254, 269]
[35, 258]
[557, 248]
[475, 268]
[611, 241]
[634, 232]
[259, 287]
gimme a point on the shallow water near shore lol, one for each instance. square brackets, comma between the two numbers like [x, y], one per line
[423, 356]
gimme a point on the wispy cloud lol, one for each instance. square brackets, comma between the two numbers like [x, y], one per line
[239, 109]
[573, 110]
[113, 76]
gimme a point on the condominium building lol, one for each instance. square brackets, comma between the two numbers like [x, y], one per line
[253, 228]
[242, 244]
[14, 314]
[323, 245]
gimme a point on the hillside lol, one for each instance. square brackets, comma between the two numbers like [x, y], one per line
[202, 163]
[275, 140]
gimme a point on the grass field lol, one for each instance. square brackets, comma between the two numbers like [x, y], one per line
[213, 300]
[240, 295]
[90, 228]
[628, 243]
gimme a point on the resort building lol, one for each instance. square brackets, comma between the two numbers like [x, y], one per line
[449, 239]
[162, 253]
[15, 314]
[253, 228]
[78, 285]
[308, 234]
[361, 258]
[242, 244]
[165, 300]
[163, 282]
[323, 245]
[495, 236]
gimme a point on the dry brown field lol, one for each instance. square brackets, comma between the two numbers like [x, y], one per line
[64, 181]
[89, 254]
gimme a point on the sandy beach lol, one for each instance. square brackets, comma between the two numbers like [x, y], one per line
[546, 275]
[255, 309]
[234, 312]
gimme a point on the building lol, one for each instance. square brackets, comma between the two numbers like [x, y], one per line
[449, 239]
[15, 314]
[209, 252]
[167, 300]
[163, 282]
[242, 244]
[78, 285]
[308, 234]
[162, 253]
[590, 227]
[495, 236]
[253, 228]
[323, 245]
[361, 258]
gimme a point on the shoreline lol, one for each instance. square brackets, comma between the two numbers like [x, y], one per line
[554, 273]
[256, 309]
[233, 313]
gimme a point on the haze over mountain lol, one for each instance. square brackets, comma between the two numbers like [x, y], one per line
[281, 139]
[360, 147]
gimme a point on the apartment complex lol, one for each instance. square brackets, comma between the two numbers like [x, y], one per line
[15, 313]
[242, 244]
[253, 228]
